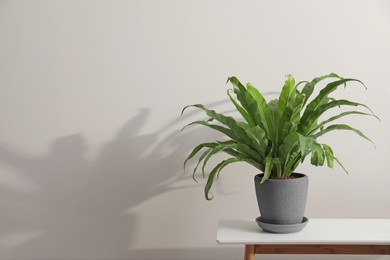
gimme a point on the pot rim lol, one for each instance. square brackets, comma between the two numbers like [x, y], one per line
[299, 176]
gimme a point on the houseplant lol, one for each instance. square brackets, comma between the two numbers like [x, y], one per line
[276, 136]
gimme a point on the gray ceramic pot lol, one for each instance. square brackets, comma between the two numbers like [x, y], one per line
[282, 201]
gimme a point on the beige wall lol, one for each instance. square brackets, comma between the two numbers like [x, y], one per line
[90, 97]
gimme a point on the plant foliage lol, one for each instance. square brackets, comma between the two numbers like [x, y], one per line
[276, 136]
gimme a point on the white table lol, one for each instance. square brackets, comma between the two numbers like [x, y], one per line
[320, 236]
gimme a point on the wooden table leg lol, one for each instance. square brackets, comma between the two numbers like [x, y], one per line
[249, 252]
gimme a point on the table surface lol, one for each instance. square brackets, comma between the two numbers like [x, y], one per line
[317, 231]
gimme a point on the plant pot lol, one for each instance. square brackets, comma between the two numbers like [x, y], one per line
[282, 201]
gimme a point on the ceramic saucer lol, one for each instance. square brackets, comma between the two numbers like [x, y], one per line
[276, 228]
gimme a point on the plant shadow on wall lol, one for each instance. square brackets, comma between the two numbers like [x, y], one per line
[63, 205]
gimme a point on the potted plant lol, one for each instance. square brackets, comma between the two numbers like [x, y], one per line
[276, 137]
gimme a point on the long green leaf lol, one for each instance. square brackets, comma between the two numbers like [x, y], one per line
[290, 119]
[322, 98]
[328, 155]
[269, 162]
[309, 87]
[263, 112]
[228, 132]
[342, 166]
[213, 173]
[317, 101]
[293, 163]
[197, 149]
[227, 162]
[305, 144]
[333, 118]
[201, 158]
[317, 154]
[249, 153]
[290, 145]
[217, 149]
[273, 106]
[254, 163]
[289, 153]
[311, 122]
[283, 121]
[341, 127]
[229, 121]
[284, 97]
[245, 152]
[278, 165]
[240, 109]
[259, 140]
[246, 100]
[300, 83]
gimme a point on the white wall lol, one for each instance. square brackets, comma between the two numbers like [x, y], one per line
[90, 97]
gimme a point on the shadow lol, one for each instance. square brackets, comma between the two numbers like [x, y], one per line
[66, 205]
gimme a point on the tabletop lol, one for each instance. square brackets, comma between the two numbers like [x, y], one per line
[317, 231]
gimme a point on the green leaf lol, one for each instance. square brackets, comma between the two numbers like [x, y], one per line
[341, 127]
[342, 166]
[305, 145]
[248, 152]
[301, 82]
[269, 161]
[333, 118]
[293, 163]
[288, 108]
[214, 172]
[288, 151]
[240, 109]
[228, 132]
[309, 87]
[230, 122]
[243, 149]
[245, 152]
[201, 158]
[321, 99]
[263, 114]
[317, 101]
[287, 144]
[284, 97]
[254, 163]
[317, 154]
[290, 118]
[246, 100]
[217, 149]
[227, 162]
[259, 140]
[197, 149]
[311, 122]
[278, 165]
[273, 107]
[329, 155]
